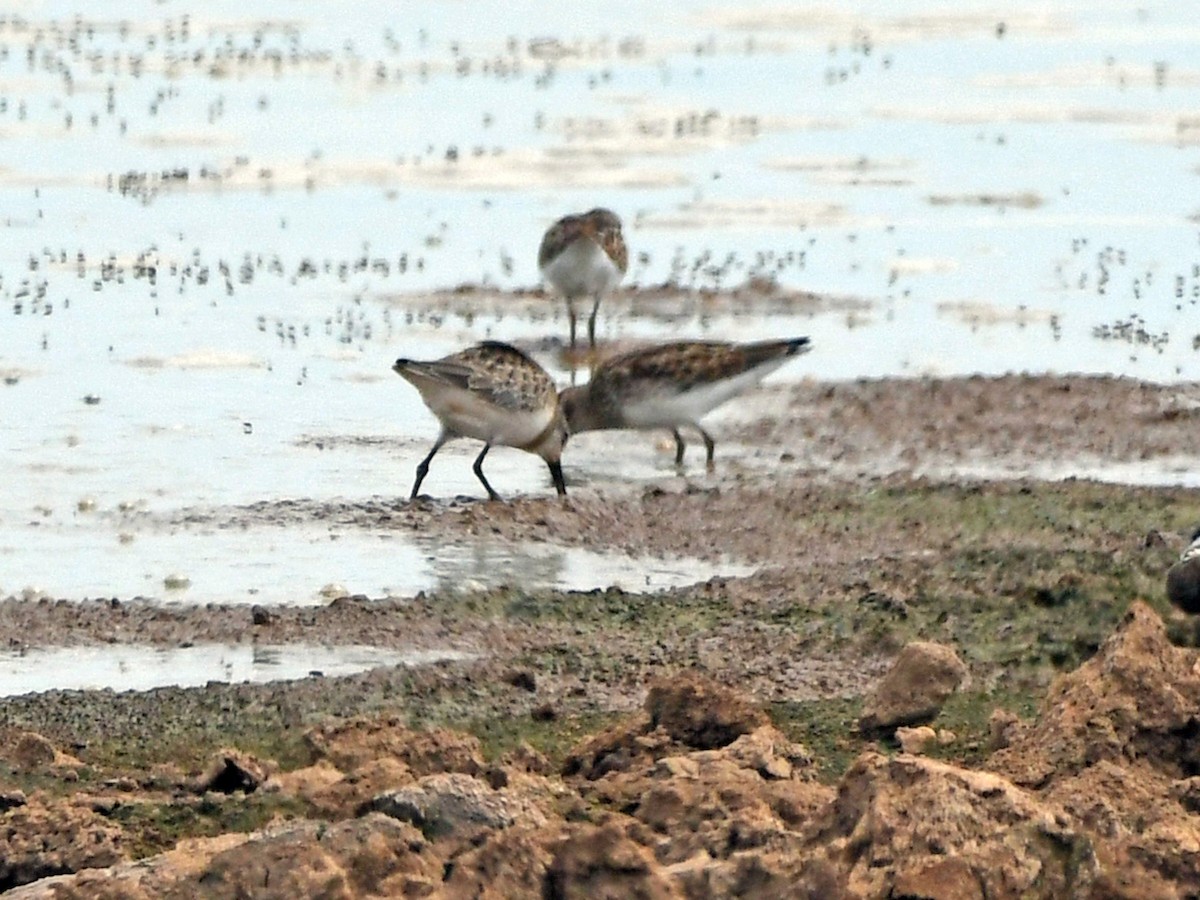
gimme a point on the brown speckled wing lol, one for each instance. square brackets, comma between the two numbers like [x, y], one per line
[681, 366]
[599, 225]
[559, 236]
[500, 373]
[613, 243]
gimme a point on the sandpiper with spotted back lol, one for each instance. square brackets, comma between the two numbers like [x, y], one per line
[672, 385]
[584, 256]
[493, 393]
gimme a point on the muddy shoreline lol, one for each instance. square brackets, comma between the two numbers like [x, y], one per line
[845, 501]
[812, 486]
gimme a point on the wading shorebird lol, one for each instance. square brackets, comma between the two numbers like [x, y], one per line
[584, 256]
[671, 385]
[1183, 578]
[494, 393]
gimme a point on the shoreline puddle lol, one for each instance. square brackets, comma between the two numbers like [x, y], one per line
[131, 667]
[298, 565]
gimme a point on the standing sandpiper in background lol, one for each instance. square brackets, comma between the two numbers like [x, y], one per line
[496, 394]
[670, 385]
[584, 256]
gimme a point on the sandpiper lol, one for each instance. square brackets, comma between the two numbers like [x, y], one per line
[1183, 578]
[494, 393]
[671, 385]
[584, 256]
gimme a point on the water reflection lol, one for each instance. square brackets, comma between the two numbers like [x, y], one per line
[308, 565]
[469, 566]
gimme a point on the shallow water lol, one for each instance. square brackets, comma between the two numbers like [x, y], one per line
[130, 667]
[202, 298]
[312, 565]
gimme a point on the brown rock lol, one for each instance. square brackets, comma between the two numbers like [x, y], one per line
[916, 740]
[1138, 696]
[681, 713]
[896, 821]
[1003, 729]
[1125, 881]
[231, 770]
[141, 880]
[603, 863]
[701, 713]
[31, 752]
[525, 758]
[41, 838]
[1187, 793]
[1135, 807]
[1105, 809]
[1112, 744]
[373, 856]
[765, 751]
[507, 864]
[770, 875]
[750, 794]
[618, 749]
[307, 783]
[912, 692]
[354, 794]
[91, 884]
[350, 744]
[946, 879]
[451, 802]
[348, 859]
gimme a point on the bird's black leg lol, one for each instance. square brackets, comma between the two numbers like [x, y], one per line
[679, 445]
[709, 446]
[423, 465]
[592, 323]
[571, 319]
[478, 467]
[556, 473]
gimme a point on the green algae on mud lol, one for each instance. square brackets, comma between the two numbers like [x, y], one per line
[152, 826]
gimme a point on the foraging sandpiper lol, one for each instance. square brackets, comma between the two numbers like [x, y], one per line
[671, 385]
[494, 393]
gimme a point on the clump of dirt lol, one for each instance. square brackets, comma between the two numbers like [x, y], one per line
[1116, 745]
[682, 712]
[41, 836]
[914, 689]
